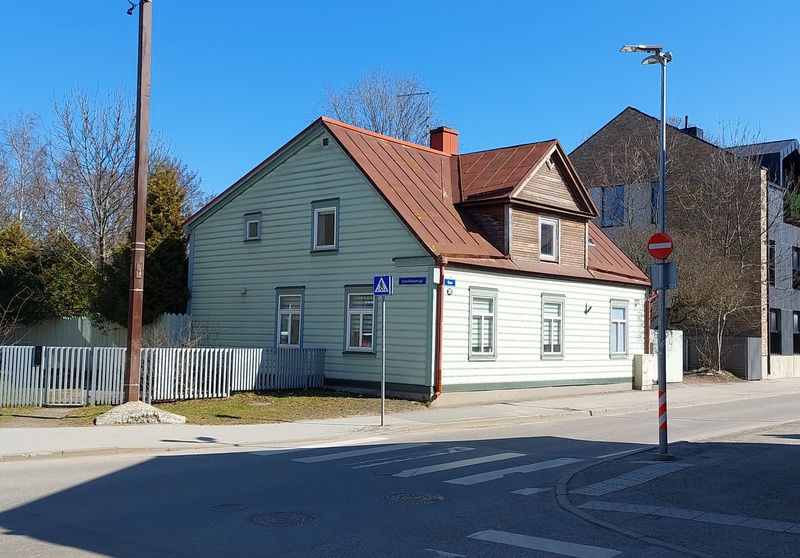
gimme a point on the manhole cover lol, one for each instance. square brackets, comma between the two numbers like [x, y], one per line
[413, 497]
[282, 519]
[229, 507]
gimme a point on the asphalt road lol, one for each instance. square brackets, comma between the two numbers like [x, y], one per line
[471, 493]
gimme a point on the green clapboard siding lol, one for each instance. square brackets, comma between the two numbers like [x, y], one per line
[370, 236]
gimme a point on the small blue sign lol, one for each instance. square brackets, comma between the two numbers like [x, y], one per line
[382, 285]
[412, 281]
[449, 282]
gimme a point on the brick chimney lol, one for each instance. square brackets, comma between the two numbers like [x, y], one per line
[445, 139]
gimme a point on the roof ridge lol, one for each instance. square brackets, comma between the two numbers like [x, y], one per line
[331, 121]
[509, 147]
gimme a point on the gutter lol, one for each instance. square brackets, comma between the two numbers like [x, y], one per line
[441, 261]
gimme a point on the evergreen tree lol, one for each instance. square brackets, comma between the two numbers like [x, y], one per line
[166, 263]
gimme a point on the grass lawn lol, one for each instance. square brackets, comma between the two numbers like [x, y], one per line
[240, 408]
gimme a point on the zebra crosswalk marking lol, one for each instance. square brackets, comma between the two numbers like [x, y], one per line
[424, 455]
[357, 453]
[500, 473]
[456, 464]
[547, 545]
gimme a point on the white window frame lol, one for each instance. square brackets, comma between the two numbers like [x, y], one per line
[620, 327]
[486, 322]
[359, 313]
[548, 329]
[289, 313]
[249, 219]
[555, 223]
[318, 210]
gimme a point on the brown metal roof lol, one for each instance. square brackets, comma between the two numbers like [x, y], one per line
[416, 182]
[419, 183]
[606, 259]
[497, 173]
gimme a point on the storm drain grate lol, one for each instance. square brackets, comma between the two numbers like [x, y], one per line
[282, 519]
[229, 507]
[413, 497]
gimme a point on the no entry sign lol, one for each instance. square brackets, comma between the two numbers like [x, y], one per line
[660, 246]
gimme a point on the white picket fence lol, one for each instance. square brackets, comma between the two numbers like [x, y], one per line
[36, 376]
[73, 376]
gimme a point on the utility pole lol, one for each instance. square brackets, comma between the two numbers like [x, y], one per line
[132, 362]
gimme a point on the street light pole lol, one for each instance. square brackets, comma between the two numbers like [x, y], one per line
[658, 56]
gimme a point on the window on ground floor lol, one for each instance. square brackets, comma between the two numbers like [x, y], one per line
[552, 326]
[619, 328]
[290, 318]
[796, 332]
[482, 323]
[360, 320]
[775, 331]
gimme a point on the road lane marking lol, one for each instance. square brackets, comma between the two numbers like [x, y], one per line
[356, 453]
[529, 491]
[443, 554]
[500, 473]
[424, 455]
[546, 545]
[455, 465]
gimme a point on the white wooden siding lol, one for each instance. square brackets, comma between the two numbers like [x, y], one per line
[370, 236]
[519, 321]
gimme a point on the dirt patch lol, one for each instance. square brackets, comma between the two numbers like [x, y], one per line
[705, 376]
[37, 417]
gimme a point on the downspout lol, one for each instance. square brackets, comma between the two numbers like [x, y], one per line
[441, 261]
[647, 304]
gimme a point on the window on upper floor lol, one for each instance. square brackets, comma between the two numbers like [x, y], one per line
[771, 263]
[290, 318]
[482, 323]
[360, 320]
[613, 209]
[325, 225]
[795, 267]
[619, 328]
[252, 226]
[552, 326]
[548, 238]
[655, 188]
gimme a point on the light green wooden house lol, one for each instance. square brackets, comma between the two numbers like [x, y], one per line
[499, 279]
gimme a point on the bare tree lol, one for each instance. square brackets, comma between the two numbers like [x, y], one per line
[92, 167]
[25, 173]
[714, 214]
[394, 105]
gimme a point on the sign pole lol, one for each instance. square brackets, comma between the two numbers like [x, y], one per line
[382, 287]
[383, 359]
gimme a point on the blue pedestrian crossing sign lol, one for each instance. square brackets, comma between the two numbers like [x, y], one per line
[382, 285]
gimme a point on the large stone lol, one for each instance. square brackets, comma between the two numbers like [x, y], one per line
[136, 412]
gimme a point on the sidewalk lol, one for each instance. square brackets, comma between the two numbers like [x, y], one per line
[43, 443]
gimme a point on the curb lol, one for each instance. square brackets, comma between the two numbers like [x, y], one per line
[563, 501]
[418, 427]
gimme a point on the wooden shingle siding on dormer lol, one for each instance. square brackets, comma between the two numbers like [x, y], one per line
[492, 219]
[548, 187]
[525, 238]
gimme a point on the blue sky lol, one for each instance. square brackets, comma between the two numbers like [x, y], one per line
[234, 80]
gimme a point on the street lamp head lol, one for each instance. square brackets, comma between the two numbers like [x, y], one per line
[654, 49]
[664, 59]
